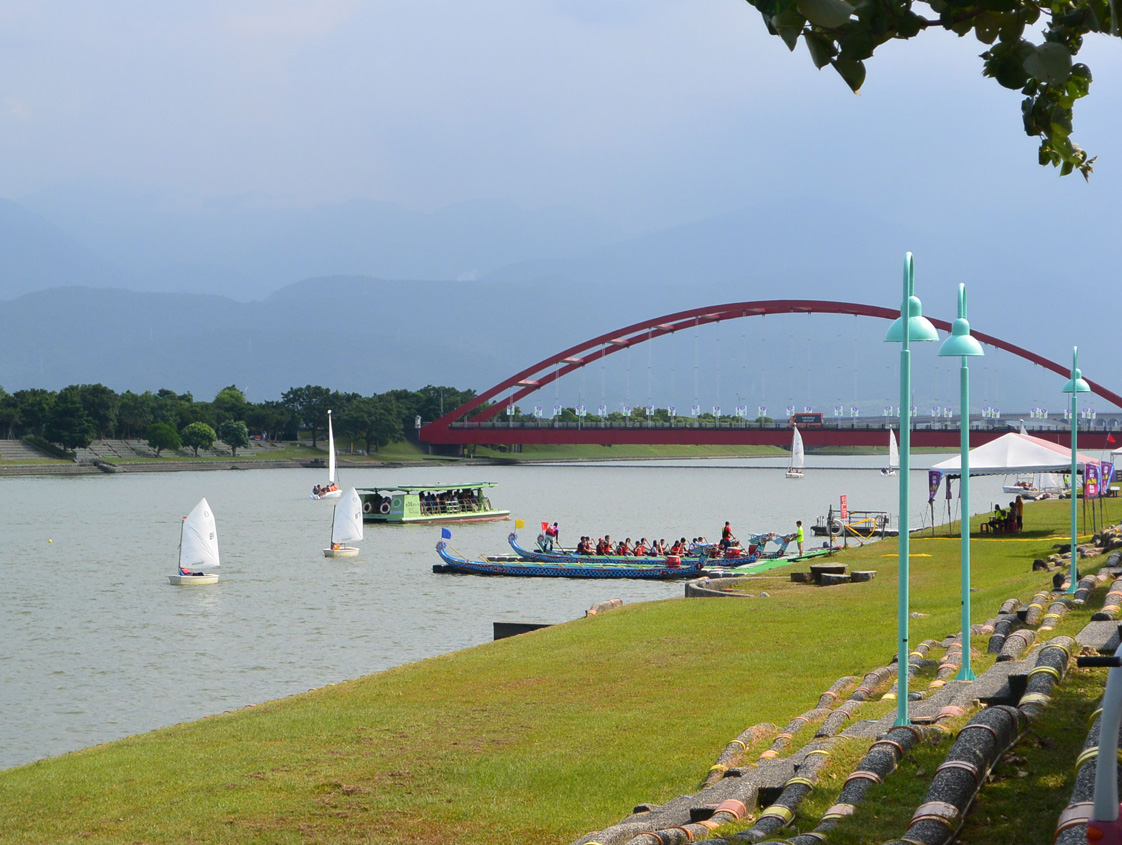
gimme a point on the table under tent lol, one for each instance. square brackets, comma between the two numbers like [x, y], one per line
[1034, 468]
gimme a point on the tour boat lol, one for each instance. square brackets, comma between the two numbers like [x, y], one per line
[198, 548]
[346, 525]
[433, 503]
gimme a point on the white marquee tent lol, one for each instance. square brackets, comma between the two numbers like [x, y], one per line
[1015, 453]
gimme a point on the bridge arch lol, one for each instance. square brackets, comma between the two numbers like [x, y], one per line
[548, 370]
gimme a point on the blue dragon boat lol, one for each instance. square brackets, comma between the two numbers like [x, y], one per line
[583, 567]
[563, 556]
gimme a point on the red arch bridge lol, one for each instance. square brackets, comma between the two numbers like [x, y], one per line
[481, 420]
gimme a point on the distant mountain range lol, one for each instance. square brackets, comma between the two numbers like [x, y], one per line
[367, 296]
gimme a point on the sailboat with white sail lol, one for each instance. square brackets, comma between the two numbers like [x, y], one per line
[893, 456]
[330, 490]
[798, 460]
[198, 548]
[346, 525]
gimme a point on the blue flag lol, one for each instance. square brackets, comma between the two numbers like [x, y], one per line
[445, 534]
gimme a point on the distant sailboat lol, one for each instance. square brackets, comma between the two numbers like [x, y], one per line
[331, 489]
[893, 456]
[346, 525]
[198, 548]
[797, 458]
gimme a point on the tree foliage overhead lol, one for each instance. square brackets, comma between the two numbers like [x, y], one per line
[1030, 47]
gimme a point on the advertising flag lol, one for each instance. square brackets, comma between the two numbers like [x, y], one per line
[934, 477]
[1105, 477]
[1090, 480]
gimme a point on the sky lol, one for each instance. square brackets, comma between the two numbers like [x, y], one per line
[647, 112]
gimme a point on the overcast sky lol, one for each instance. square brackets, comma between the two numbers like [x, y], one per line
[647, 112]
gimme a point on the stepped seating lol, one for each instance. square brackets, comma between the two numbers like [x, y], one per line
[19, 450]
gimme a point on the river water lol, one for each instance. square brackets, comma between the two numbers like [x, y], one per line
[97, 645]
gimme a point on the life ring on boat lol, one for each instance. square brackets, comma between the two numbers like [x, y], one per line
[835, 527]
[385, 506]
[367, 507]
[396, 504]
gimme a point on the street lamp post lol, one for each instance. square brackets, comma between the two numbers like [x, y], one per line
[911, 325]
[1075, 385]
[963, 345]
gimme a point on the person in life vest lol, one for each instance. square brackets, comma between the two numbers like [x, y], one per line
[551, 535]
[726, 536]
[799, 536]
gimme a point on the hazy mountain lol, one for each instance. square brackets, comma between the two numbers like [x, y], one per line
[246, 248]
[39, 255]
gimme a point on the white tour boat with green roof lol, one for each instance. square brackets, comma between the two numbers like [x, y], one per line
[432, 503]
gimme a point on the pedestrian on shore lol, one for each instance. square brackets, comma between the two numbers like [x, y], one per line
[799, 536]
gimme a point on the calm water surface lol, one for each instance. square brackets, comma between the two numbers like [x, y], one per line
[97, 644]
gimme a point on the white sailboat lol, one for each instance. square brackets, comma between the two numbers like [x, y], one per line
[346, 525]
[893, 456]
[330, 490]
[198, 548]
[797, 458]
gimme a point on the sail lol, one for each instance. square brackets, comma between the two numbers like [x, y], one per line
[893, 452]
[797, 459]
[199, 546]
[330, 452]
[346, 525]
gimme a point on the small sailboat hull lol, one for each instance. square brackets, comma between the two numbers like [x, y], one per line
[794, 473]
[346, 551]
[333, 494]
[190, 580]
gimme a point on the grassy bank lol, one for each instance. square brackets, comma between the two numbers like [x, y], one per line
[546, 736]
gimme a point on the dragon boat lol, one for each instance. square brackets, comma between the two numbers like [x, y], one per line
[558, 555]
[583, 567]
[756, 549]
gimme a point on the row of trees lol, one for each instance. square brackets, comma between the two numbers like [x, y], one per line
[81, 413]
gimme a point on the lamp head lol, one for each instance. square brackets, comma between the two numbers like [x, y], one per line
[919, 327]
[1076, 384]
[961, 343]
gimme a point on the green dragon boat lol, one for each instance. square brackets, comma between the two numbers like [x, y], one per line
[432, 503]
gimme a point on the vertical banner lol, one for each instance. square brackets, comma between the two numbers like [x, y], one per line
[934, 477]
[1106, 476]
[844, 507]
[1090, 480]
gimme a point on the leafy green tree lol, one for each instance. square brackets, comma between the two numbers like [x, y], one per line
[34, 410]
[162, 436]
[270, 418]
[198, 435]
[134, 413]
[9, 412]
[234, 434]
[101, 404]
[1041, 65]
[68, 424]
[172, 408]
[374, 420]
[230, 404]
[310, 404]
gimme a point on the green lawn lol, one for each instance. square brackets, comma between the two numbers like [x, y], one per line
[546, 736]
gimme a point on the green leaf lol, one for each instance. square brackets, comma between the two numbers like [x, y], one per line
[853, 72]
[788, 25]
[827, 14]
[1050, 63]
[821, 49]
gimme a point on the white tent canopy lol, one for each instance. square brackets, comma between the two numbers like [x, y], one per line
[1014, 453]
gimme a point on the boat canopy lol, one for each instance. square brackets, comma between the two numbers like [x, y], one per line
[1014, 453]
[427, 488]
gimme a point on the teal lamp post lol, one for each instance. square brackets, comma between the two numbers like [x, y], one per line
[911, 325]
[962, 345]
[1075, 385]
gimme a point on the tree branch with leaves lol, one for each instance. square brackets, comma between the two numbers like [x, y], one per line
[1039, 62]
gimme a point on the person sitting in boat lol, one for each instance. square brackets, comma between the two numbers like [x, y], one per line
[640, 547]
[316, 490]
[624, 547]
[584, 547]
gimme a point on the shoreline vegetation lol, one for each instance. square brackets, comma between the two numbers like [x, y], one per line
[106, 456]
[552, 735]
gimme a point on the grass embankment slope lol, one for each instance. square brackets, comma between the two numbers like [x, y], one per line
[547, 736]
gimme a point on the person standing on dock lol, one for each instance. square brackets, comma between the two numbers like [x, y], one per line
[799, 536]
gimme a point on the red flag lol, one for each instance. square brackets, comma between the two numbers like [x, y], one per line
[1110, 438]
